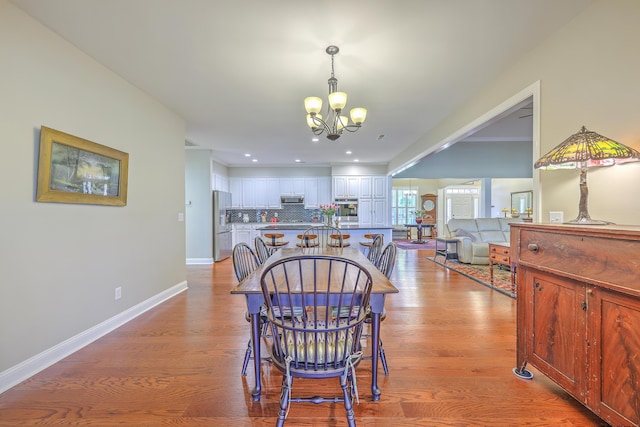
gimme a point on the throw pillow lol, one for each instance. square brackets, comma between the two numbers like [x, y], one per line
[464, 233]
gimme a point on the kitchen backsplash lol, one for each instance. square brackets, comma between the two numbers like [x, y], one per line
[289, 213]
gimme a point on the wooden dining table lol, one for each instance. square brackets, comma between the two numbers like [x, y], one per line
[251, 288]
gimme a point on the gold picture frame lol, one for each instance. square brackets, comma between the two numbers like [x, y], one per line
[75, 170]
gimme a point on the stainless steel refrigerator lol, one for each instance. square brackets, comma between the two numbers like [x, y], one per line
[222, 241]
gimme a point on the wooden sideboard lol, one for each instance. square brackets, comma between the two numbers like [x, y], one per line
[579, 312]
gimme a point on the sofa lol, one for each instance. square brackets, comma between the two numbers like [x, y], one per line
[474, 236]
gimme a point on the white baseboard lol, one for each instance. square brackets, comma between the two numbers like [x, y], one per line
[198, 261]
[22, 371]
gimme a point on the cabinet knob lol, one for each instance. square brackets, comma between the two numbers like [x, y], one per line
[533, 247]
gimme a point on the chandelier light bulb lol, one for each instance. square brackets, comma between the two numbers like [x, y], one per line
[337, 100]
[358, 115]
[313, 104]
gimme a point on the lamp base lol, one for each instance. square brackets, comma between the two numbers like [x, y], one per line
[588, 221]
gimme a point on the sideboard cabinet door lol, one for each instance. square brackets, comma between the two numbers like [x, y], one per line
[557, 325]
[615, 358]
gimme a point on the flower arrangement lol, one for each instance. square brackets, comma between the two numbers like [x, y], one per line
[419, 213]
[329, 209]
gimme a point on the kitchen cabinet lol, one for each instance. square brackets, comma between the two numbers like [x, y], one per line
[273, 193]
[317, 191]
[379, 187]
[346, 187]
[324, 191]
[235, 186]
[579, 312]
[291, 186]
[243, 233]
[248, 193]
[372, 212]
[260, 194]
[311, 193]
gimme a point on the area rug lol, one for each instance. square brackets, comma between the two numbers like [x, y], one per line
[480, 273]
[408, 244]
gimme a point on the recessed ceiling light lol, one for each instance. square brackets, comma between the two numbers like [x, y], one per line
[247, 155]
[348, 151]
[314, 139]
[298, 160]
[254, 160]
[356, 160]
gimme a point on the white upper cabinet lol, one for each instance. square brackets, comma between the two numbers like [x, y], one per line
[324, 191]
[235, 186]
[260, 193]
[365, 187]
[248, 193]
[273, 193]
[311, 193]
[292, 186]
[346, 187]
[380, 188]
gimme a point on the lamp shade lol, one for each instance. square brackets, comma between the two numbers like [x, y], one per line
[358, 115]
[313, 104]
[587, 149]
[337, 100]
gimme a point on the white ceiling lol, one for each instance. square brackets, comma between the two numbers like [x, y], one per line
[238, 71]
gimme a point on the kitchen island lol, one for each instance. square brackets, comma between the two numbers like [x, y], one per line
[356, 231]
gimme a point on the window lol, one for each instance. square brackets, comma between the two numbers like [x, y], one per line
[403, 202]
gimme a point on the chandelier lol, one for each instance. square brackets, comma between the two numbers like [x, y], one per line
[335, 123]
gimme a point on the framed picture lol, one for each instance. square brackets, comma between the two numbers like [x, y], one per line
[74, 170]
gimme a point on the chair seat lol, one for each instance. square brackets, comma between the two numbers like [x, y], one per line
[369, 242]
[308, 241]
[273, 239]
[339, 241]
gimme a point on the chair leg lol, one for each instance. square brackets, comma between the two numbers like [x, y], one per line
[383, 358]
[285, 395]
[247, 356]
[345, 383]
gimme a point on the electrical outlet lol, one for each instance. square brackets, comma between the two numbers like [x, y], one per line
[556, 217]
[118, 292]
[180, 216]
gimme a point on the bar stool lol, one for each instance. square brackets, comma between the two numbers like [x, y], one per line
[367, 244]
[307, 241]
[274, 240]
[339, 240]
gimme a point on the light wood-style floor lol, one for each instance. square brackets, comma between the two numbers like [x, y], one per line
[450, 344]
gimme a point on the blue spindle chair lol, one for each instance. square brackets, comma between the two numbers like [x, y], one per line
[262, 250]
[322, 341]
[245, 262]
[375, 248]
[385, 263]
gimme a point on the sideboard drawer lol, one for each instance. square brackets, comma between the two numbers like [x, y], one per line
[585, 257]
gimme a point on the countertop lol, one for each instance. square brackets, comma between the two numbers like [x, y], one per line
[292, 226]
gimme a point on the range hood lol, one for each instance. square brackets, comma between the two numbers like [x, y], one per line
[291, 200]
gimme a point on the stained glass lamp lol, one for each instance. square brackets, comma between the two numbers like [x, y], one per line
[582, 151]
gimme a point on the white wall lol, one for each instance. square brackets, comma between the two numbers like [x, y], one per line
[589, 76]
[199, 210]
[60, 263]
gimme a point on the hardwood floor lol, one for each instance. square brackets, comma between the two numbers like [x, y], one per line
[450, 344]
